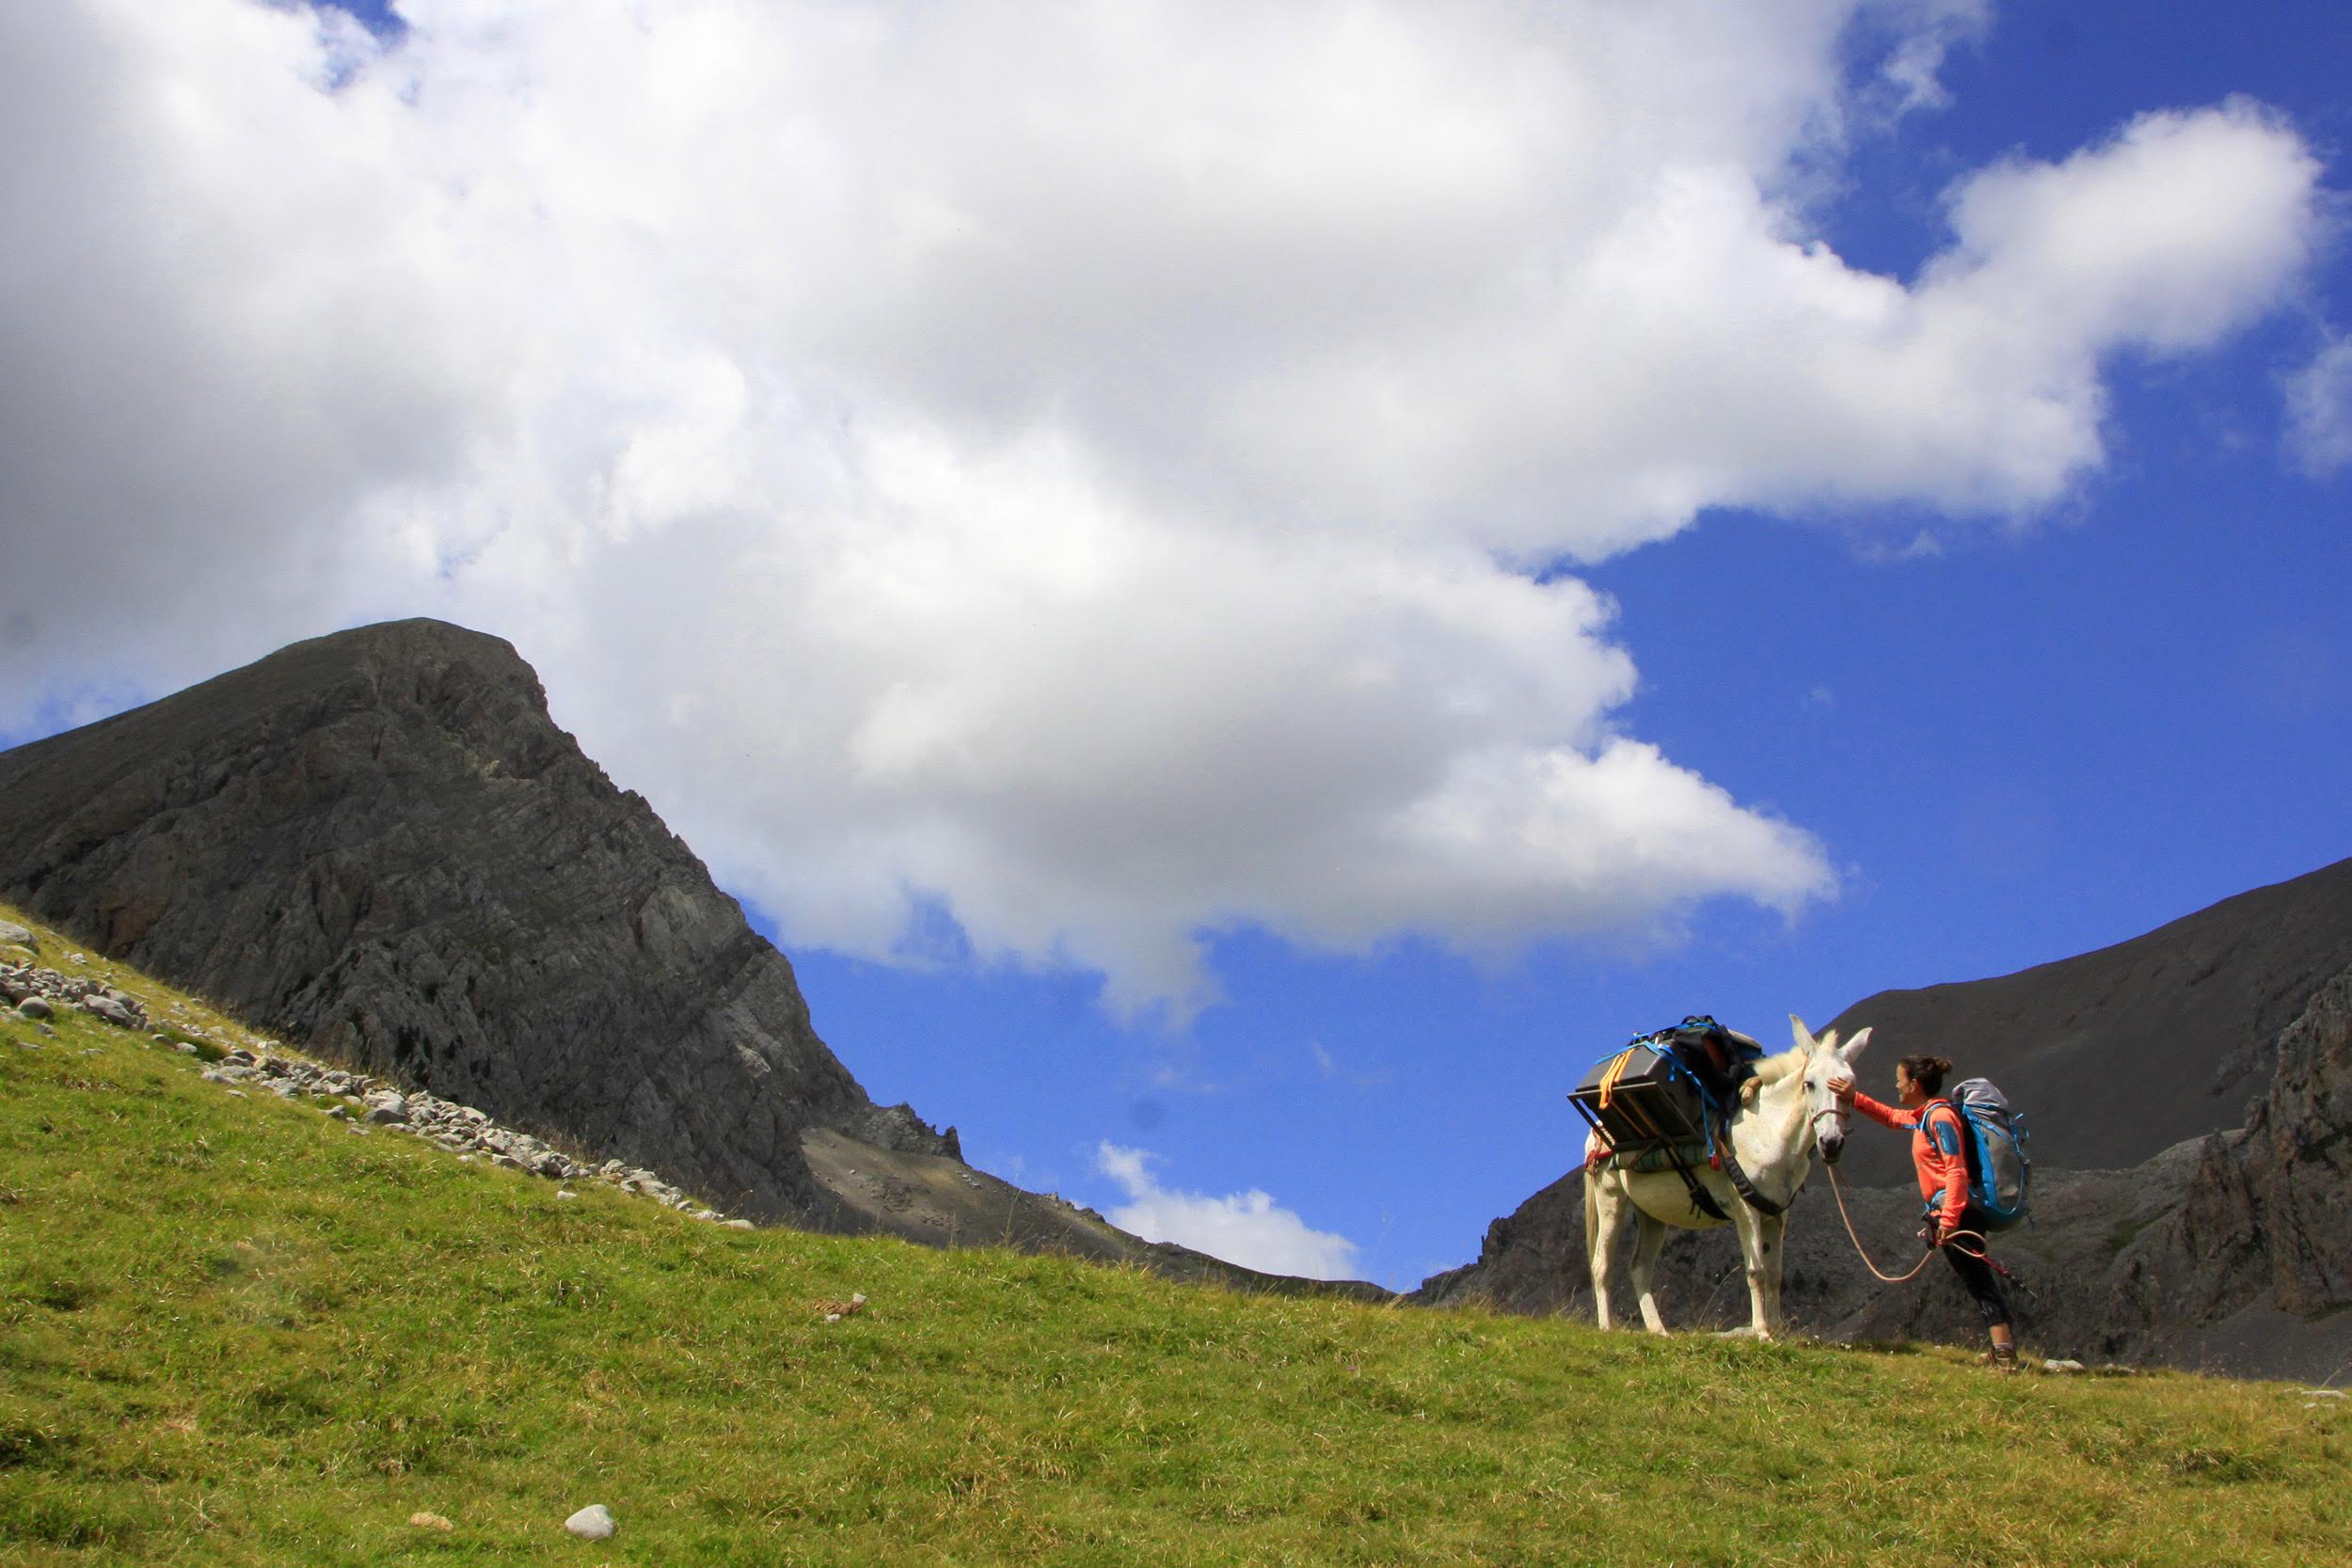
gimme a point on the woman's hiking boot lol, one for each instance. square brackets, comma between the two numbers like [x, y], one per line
[2002, 1358]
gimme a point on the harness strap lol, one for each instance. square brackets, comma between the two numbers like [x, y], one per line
[1702, 1201]
[1740, 1184]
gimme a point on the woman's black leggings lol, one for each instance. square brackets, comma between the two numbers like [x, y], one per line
[1977, 1275]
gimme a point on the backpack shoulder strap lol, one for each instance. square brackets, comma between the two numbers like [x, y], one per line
[1949, 1131]
[1963, 1133]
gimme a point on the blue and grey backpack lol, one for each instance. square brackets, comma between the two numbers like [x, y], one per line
[2000, 1174]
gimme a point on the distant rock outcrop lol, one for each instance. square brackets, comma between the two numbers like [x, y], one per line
[378, 842]
[2255, 1262]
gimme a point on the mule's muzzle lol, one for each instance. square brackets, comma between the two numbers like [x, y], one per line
[1833, 1145]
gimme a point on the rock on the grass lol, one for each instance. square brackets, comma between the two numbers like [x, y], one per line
[108, 1008]
[33, 1006]
[12, 932]
[592, 1523]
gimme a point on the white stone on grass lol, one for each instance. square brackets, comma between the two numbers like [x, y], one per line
[592, 1523]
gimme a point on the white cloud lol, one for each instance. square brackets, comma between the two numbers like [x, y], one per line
[1925, 33]
[1074, 468]
[1249, 1228]
[2319, 410]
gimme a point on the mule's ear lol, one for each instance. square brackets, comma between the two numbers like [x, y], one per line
[1804, 1034]
[1852, 1048]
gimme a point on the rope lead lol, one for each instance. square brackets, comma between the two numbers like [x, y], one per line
[1863, 1254]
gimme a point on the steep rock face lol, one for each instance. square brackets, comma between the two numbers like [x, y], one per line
[380, 843]
[2261, 1244]
[2125, 1052]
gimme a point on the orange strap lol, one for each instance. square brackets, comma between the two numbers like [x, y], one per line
[1614, 1071]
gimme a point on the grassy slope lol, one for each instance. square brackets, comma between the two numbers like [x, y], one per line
[233, 1331]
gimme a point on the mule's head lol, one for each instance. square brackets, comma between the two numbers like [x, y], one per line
[1826, 1112]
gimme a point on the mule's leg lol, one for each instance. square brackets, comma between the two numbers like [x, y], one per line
[1772, 1254]
[1761, 1259]
[1649, 1235]
[1603, 1216]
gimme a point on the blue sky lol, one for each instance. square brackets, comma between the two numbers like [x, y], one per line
[2020, 749]
[1245, 600]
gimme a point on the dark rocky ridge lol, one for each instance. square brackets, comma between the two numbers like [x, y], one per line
[378, 842]
[2256, 1259]
[2128, 1050]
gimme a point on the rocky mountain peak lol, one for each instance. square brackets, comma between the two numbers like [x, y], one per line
[380, 843]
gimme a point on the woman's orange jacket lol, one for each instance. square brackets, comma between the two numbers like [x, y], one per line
[1935, 1150]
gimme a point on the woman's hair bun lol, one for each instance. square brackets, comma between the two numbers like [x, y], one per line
[1927, 1072]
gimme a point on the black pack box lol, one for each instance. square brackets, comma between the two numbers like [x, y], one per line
[1648, 1101]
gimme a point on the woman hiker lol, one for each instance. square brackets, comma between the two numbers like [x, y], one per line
[1936, 1138]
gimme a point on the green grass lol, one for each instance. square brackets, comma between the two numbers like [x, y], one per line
[233, 1332]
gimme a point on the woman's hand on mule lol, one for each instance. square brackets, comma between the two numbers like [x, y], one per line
[1841, 1083]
